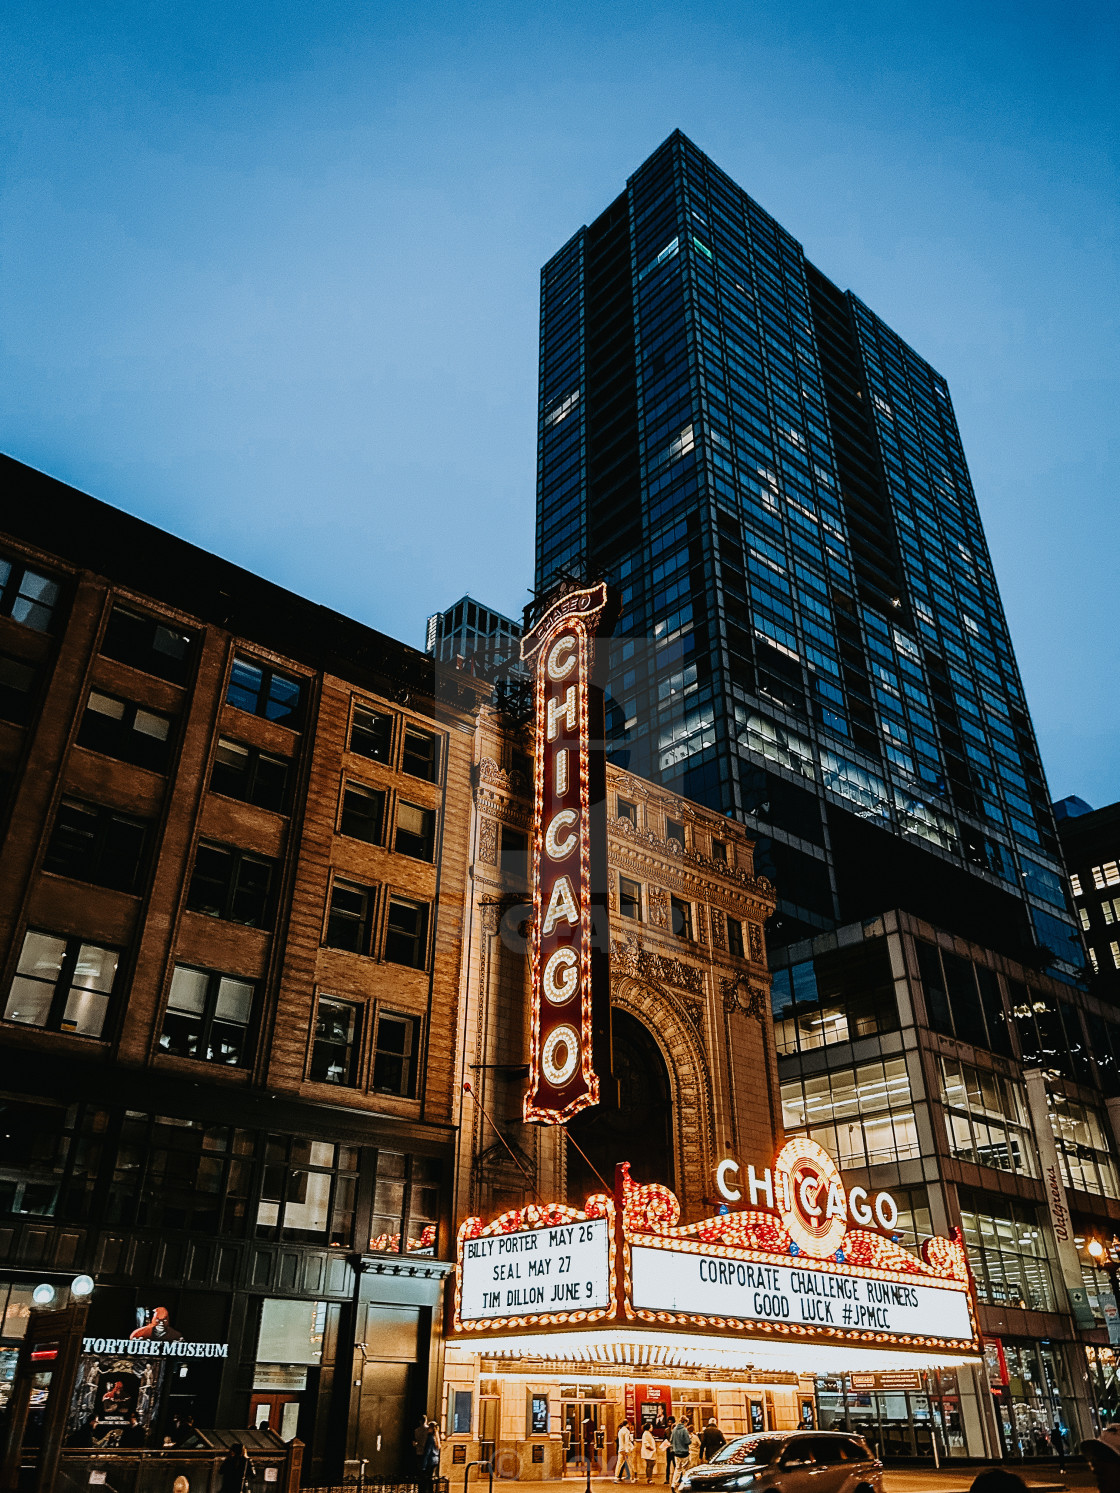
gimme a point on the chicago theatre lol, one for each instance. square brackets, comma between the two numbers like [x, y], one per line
[635, 1235]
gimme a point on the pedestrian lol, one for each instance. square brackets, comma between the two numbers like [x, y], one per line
[694, 1452]
[649, 1452]
[133, 1433]
[588, 1438]
[1058, 1442]
[625, 1453]
[1103, 1455]
[711, 1439]
[998, 1480]
[420, 1441]
[680, 1444]
[236, 1470]
[670, 1455]
[429, 1462]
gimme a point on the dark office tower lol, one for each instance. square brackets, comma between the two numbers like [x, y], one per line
[812, 638]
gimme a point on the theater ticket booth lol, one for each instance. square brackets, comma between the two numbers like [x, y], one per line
[562, 1317]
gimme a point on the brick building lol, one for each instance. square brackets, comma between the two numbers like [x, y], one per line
[235, 833]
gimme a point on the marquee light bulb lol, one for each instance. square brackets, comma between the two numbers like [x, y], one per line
[1096, 1249]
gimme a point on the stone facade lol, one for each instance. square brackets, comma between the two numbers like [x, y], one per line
[707, 1008]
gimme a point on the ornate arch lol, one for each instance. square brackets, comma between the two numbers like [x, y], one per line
[672, 1027]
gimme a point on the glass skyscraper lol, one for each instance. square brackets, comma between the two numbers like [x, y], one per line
[812, 637]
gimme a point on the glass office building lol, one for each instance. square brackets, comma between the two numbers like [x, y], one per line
[812, 637]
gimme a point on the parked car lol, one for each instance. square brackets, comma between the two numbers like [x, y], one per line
[790, 1462]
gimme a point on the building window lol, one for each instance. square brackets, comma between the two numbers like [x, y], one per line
[62, 984]
[98, 845]
[1109, 908]
[1082, 1145]
[719, 851]
[334, 1051]
[131, 733]
[674, 831]
[50, 1155]
[231, 884]
[515, 855]
[1007, 1252]
[735, 938]
[963, 999]
[371, 734]
[250, 775]
[406, 934]
[263, 691]
[207, 1016]
[18, 681]
[308, 1191]
[627, 810]
[416, 831]
[172, 1173]
[26, 596]
[147, 644]
[986, 1118]
[394, 1055]
[1075, 884]
[420, 757]
[1083, 914]
[350, 919]
[362, 813]
[406, 1201]
[1093, 960]
[861, 1116]
[681, 917]
[1106, 875]
[838, 997]
[630, 898]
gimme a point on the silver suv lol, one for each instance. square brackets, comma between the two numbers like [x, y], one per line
[789, 1462]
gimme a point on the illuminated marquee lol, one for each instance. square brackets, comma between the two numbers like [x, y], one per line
[570, 1021]
[805, 1190]
[803, 1269]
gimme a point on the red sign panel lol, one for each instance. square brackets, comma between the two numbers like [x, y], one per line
[570, 1049]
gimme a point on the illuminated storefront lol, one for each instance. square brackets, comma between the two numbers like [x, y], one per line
[566, 1319]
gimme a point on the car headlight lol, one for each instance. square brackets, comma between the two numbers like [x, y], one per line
[744, 1480]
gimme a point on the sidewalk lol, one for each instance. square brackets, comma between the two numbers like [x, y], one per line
[951, 1479]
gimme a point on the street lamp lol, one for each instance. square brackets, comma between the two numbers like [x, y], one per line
[81, 1285]
[43, 1294]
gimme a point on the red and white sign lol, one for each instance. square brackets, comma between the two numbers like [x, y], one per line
[570, 1020]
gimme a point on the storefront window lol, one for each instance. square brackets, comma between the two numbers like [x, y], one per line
[291, 1331]
[1104, 1383]
[1083, 1149]
[986, 1117]
[1007, 1252]
[861, 1116]
[1031, 1401]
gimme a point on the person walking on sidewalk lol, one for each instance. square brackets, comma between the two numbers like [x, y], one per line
[625, 1453]
[1058, 1442]
[670, 1455]
[649, 1452]
[680, 1444]
[711, 1439]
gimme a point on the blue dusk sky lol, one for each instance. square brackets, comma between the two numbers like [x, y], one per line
[269, 272]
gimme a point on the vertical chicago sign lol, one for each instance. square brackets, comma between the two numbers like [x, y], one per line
[569, 1062]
